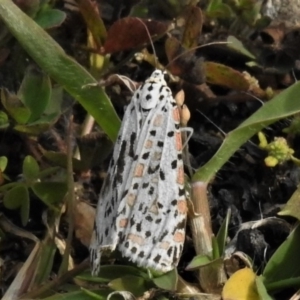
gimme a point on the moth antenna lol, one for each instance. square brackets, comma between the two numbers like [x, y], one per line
[150, 39]
[194, 48]
[209, 120]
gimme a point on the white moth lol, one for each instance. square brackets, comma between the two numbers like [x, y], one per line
[142, 205]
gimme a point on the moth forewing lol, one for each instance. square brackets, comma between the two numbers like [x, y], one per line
[143, 209]
[105, 232]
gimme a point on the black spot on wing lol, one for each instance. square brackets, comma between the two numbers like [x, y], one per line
[175, 255]
[160, 144]
[149, 218]
[174, 164]
[132, 222]
[121, 163]
[151, 190]
[174, 202]
[181, 192]
[131, 144]
[152, 170]
[157, 258]
[139, 227]
[145, 185]
[146, 155]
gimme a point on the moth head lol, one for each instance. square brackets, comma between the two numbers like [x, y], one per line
[157, 76]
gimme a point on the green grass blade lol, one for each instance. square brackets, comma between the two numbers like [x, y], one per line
[62, 68]
[281, 106]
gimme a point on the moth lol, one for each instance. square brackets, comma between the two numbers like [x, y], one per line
[142, 204]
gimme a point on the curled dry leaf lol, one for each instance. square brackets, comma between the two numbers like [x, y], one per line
[84, 222]
[280, 46]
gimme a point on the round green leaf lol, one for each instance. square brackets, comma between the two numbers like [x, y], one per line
[51, 193]
[31, 168]
[3, 163]
[15, 197]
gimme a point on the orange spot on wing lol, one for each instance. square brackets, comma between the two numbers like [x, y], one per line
[180, 175]
[178, 141]
[176, 115]
[148, 144]
[158, 121]
[178, 237]
[123, 223]
[139, 170]
[182, 206]
[164, 245]
[137, 239]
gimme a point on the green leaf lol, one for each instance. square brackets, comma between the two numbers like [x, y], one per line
[167, 281]
[134, 284]
[285, 262]
[238, 46]
[51, 193]
[14, 197]
[18, 197]
[3, 163]
[49, 18]
[199, 261]
[223, 233]
[35, 92]
[292, 206]
[8, 186]
[60, 67]
[281, 106]
[31, 168]
[14, 106]
[46, 257]
[4, 123]
[262, 291]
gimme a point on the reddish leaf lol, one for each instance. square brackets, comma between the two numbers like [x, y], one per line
[130, 33]
[193, 26]
[225, 76]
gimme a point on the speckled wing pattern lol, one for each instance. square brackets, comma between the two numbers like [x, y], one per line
[142, 205]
